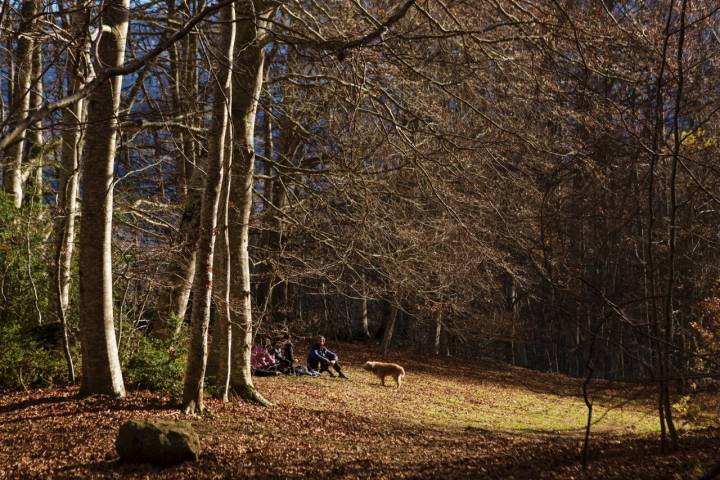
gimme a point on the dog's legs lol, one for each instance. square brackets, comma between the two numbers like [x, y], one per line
[398, 380]
[382, 380]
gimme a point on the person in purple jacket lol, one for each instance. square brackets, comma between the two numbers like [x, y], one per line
[320, 358]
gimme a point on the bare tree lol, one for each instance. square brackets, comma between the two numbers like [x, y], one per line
[247, 83]
[73, 117]
[203, 284]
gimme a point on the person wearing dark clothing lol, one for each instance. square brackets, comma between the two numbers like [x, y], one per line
[285, 356]
[320, 358]
[288, 353]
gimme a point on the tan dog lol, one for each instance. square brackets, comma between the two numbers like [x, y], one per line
[382, 370]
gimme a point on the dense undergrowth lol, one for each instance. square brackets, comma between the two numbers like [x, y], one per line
[30, 340]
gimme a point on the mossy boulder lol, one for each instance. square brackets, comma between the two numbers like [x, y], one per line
[157, 441]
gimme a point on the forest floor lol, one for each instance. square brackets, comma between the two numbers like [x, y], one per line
[478, 420]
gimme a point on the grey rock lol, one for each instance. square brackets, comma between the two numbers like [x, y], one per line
[157, 441]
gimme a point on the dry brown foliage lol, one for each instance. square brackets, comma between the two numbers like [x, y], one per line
[318, 429]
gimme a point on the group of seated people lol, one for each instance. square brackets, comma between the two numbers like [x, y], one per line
[277, 358]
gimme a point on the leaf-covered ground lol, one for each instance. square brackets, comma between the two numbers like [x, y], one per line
[449, 421]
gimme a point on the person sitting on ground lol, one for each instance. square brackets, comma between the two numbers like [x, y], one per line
[284, 355]
[262, 363]
[320, 358]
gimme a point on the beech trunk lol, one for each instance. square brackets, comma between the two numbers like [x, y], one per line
[202, 285]
[100, 362]
[20, 102]
[247, 82]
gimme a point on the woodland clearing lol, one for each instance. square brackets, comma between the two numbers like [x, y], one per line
[476, 420]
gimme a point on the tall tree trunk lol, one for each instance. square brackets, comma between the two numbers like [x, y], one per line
[202, 286]
[247, 80]
[68, 173]
[277, 294]
[35, 137]
[265, 269]
[73, 117]
[174, 297]
[222, 340]
[173, 300]
[61, 318]
[364, 322]
[274, 292]
[268, 145]
[176, 97]
[20, 103]
[189, 91]
[9, 78]
[668, 340]
[438, 333]
[658, 123]
[389, 328]
[101, 366]
[274, 241]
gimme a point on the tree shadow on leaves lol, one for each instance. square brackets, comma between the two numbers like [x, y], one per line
[113, 467]
[34, 402]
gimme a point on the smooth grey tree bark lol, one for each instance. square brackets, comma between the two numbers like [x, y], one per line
[193, 391]
[77, 72]
[364, 317]
[20, 103]
[438, 333]
[73, 119]
[222, 341]
[247, 83]
[100, 363]
[364, 327]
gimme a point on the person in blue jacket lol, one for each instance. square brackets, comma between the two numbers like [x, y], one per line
[320, 358]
